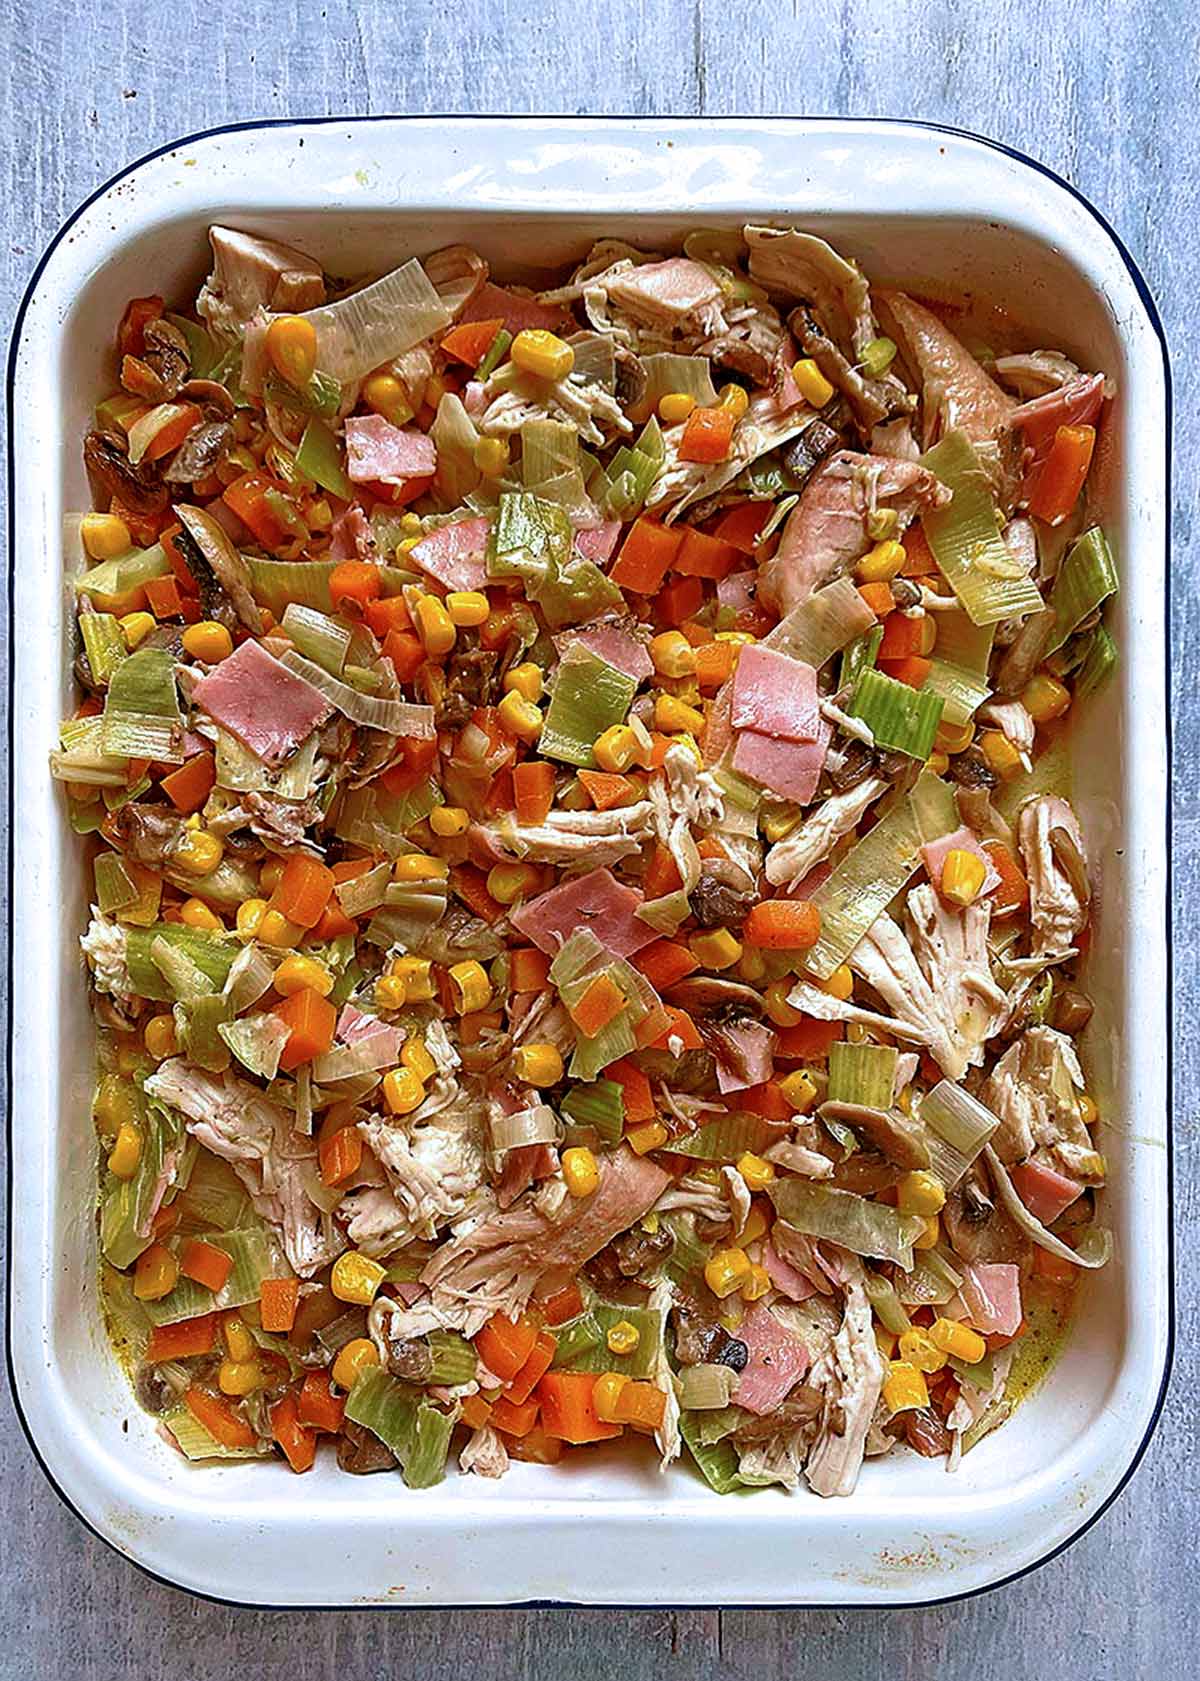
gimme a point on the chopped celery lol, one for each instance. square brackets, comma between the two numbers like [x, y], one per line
[210, 953]
[592, 1354]
[866, 1228]
[141, 709]
[964, 536]
[417, 1433]
[496, 352]
[899, 717]
[959, 668]
[601, 1105]
[861, 1074]
[889, 1309]
[320, 458]
[958, 1126]
[932, 1281]
[859, 656]
[256, 1254]
[825, 623]
[1098, 664]
[103, 643]
[589, 696]
[1086, 579]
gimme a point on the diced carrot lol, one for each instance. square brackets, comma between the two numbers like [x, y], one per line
[355, 582]
[334, 922]
[504, 1345]
[188, 787]
[303, 890]
[878, 597]
[498, 628]
[183, 1339]
[809, 1039]
[662, 873]
[472, 1027]
[218, 1418]
[349, 869]
[388, 613]
[563, 1305]
[470, 885]
[635, 1090]
[1013, 892]
[702, 556]
[1053, 1268]
[527, 1379]
[475, 1411]
[600, 1004]
[514, 1418]
[312, 1020]
[920, 562]
[606, 790]
[170, 436]
[205, 1263]
[783, 925]
[470, 341]
[533, 790]
[340, 1157]
[697, 634]
[528, 968]
[139, 312]
[741, 525]
[568, 1411]
[143, 528]
[1060, 478]
[708, 846]
[537, 1448]
[766, 1100]
[681, 599]
[707, 435]
[641, 1404]
[280, 1299]
[163, 596]
[901, 637]
[261, 504]
[679, 1026]
[714, 665]
[299, 1445]
[664, 963]
[317, 1406]
[658, 750]
[913, 670]
[406, 653]
[501, 795]
[646, 556]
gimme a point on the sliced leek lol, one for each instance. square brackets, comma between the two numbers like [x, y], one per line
[861, 1074]
[589, 696]
[822, 625]
[141, 709]
[865, 1228]
[959, 668]
[899, 717]
[1086, 579]
[966, 542]
[958, 1126]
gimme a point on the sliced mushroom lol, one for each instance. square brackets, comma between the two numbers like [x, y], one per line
[977, 1228]
[210, 395]
[711, 992]
[109, 467]
[226, 564]
[889, 1132]
[199, 452]
[166, 354]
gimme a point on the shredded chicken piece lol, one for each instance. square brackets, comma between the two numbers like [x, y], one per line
[567, 837]
[790, 859]
[433, 1165]
[693, 1196]
[582, 404]
[1034, 1089]
[799, 1159]
[851, 1376]
[683, 796]
[1013, 722]
[485, 1453]
[763, 429]
[1036, 372]
[104, 947]
[1057, 868]
[670, 1443]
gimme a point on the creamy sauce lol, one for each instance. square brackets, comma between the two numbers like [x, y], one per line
[1049, 1312]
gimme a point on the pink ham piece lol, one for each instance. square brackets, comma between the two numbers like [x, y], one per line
[744, 1055]
[599, 543]
[522, 1167]
[962, 840]
[777, 1362]
[494, 303]
[785, 1277]
[350, 535]
[790, 769]
[991, 1294]
[454, 554]
[1044, 1191]
[377, 450]
[597, 901]
[737, 591]
[353, 1026]
[260, 701]
[775, 695]
[613, 645]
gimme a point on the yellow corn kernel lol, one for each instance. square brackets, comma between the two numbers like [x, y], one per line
[159, 1037]
[104, 536]
[615, 748]
[136, 627]
[673, 716]
[435, 627]
[963, 874]
[716, 949]
[580, 1171]
[538, 1065]
[294, 974]
[623, 1337]
[417, 975]
[606, 1396]
[685, 689]
[356, 1278]
[353, 1358]
[734, 398]
[955, 738]
[276, 930]
[249, 917]
[904, 1387]
[953, 1337]
[756, 1283]
[520, 717]
[881, 564]
[292, 347]
[240, 1377]
[467, 608]
[1000, 754]
[929, 1237]
[799, 1091]
[938, 762]
[757, 1172]
[674, 408]
[419, 866]
[650, 1135]
[752, 965]
[673, 654]
[417, 1059]
[509, 882]
[449, 820]
[270, 875]
[1088, 1112]
[383, 394]
[156, 1273]
[727, 1271]
[881, 523]
[811, 382]
[538, 352]
[402, 1091]
[1045, 698]
[840, 984]
[886, 1342]
[390, 992]
[196, 914]
[491, 457]
[920, 1192]
[919, 1349]
[525, 680]
[207, 641]
[470, 987]
[776, 1005]
[779, 821]
[198, 852]
[757, 1224]
[126, 1153]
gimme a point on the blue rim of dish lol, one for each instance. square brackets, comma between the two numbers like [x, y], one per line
[1147, 300]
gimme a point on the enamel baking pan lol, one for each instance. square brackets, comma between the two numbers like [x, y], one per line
[930, 209]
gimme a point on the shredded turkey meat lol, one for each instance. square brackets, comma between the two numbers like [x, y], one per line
[1057, 868]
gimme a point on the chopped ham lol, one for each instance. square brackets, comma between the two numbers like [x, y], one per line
[353, 1026]
[991, 1294]
[522, 1167]
[775, 695]
[596, 901]
[454, 554]
[744, 1055]
[377, 450]
[260, 701]
[349, 536]
[962, 840]
[790, 769]
[737, 591]
[785, 1277]
[516, 311]
[613, 644]
[599, 543]
[777, 1361]
[1045, 1192]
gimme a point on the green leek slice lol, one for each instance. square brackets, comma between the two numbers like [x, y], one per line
[103, 643]
[1097, 665]
[1086, 579]
[966, 542]
[417, 1433]
[141, 710]
[958, 1126]
[589, 696]
[601, 1105]
[859, 656]
[822, 625]
[320, 458]
[862, 1074]
[866, 1228]
[899, 717]
[959, 668]
[256, 1254]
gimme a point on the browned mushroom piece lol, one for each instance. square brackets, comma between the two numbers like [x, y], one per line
[712, 992]
[199, 452]
[111, 470]
[224, 561]
[977, 1227]
[886, 1130]
[210, 395]
[166, 354]
[362, 1453]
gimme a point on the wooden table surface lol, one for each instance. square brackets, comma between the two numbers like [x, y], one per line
[1104, 93]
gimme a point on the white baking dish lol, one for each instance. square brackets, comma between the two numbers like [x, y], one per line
[928, 208]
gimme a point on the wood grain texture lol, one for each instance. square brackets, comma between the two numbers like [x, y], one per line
[1104, 93]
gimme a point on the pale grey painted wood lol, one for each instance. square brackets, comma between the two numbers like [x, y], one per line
[1104, 93]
